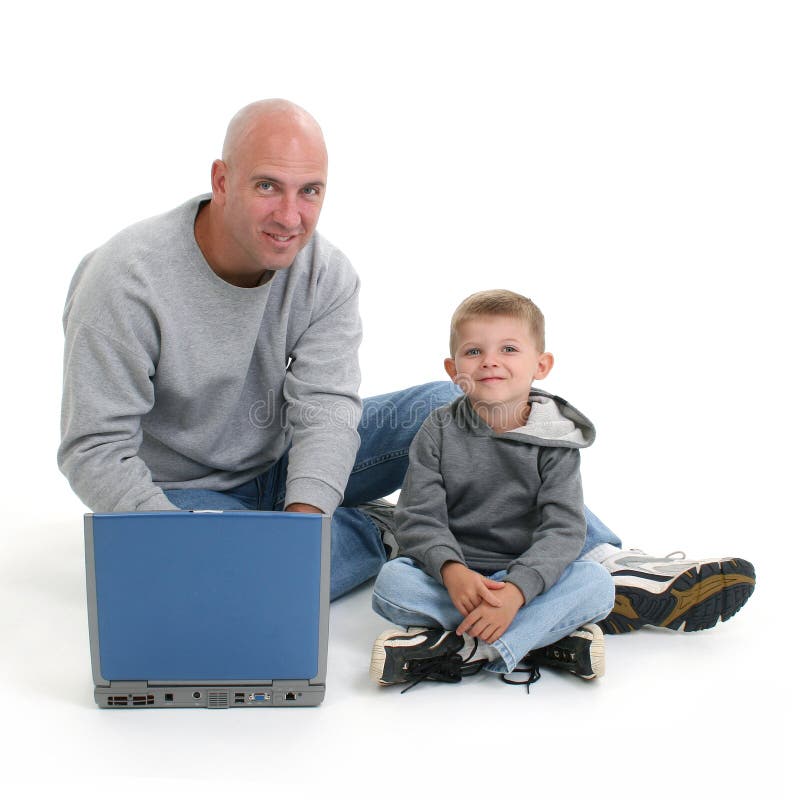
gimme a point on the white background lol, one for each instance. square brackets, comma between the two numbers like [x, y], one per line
[632, 166]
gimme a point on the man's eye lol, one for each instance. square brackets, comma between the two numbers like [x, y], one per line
[264, 186]
[311, 190]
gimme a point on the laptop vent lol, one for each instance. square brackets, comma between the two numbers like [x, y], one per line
[122, 700]
[218, 700]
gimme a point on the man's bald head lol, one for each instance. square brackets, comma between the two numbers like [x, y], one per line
[265, 117]
[266, 192]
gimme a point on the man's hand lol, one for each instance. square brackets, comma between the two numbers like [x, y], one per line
[490, 622]
[467, 588]
[303, 508]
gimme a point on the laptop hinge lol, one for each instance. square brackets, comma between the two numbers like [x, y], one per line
[131, 687]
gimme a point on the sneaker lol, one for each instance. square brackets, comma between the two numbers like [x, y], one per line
[583, 653]
[420, 654]
[674, 592]
[381, 512]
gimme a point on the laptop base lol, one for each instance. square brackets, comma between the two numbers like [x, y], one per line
[276, 694]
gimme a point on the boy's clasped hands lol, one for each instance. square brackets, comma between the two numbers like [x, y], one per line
[488, 606]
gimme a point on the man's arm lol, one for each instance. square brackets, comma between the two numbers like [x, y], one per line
[321, 392]
[107, 390]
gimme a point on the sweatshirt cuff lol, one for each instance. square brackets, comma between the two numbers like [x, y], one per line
[436, 558]
[314, 493]
[528, 581]
[157, 502]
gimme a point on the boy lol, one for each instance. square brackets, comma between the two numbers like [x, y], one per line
[490, 521]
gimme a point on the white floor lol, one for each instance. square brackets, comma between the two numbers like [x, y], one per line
[676, 714]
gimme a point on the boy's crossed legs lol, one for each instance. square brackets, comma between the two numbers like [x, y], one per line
[407, 596]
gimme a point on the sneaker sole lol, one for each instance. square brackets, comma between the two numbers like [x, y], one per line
[695, 600]
[378, 662]
[597, 653]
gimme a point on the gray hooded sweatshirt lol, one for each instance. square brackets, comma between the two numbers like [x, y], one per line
[495, 501]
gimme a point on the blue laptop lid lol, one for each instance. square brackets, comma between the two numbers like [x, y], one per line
[218, 597]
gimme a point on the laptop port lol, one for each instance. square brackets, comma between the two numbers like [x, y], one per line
[168, 697]
[291, 695]
[259, 697]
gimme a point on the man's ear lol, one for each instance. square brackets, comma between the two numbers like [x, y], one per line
[544, 366]
[450, 368]
[219, 173]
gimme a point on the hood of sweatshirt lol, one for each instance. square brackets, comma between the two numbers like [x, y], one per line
[552, 422]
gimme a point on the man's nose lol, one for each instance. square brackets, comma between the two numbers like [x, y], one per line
[287, 213]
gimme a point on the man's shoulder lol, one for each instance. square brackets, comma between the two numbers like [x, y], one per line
[323, 271]
[132, 263]
[321, 255]
[156, 233]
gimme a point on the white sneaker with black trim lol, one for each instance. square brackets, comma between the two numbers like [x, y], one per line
[675, 592]
[421, 654]
[583, 653]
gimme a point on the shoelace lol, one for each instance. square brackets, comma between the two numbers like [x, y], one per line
[533, 676]
[447, 669]
[552, 652]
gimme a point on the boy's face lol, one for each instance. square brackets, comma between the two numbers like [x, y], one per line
[496, 360]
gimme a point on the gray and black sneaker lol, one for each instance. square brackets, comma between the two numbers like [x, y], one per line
[421, 654]
[381, 512]
[675, 592]
[583, 653]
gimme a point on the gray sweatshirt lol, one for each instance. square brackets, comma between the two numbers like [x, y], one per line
[497, 501]
[174, 378]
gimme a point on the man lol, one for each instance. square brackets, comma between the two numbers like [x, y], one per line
[211, 362]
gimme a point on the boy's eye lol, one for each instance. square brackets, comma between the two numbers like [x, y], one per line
[473, 351]
[509, 348]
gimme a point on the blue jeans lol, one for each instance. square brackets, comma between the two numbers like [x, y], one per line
[388, 425]
[407, 596]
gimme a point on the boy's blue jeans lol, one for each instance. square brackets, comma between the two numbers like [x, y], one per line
[407, 596]
[388, 425]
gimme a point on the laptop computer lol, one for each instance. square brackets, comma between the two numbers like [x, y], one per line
[191, 609]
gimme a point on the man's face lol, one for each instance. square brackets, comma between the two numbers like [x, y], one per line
[496, 360]
[270, 192]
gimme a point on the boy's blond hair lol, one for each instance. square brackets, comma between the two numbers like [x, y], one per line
[498, 303]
